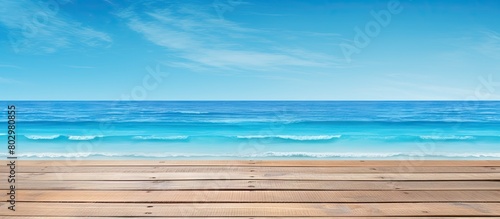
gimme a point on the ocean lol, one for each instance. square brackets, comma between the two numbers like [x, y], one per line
[255, 129]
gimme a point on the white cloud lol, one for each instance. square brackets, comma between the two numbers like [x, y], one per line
[9, 66]
[200, 40]
[483, 43]
[37, 28]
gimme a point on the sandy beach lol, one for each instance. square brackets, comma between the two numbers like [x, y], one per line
[253, 188]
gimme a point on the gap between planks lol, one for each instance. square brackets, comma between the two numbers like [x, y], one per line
[200, 169]
[258, 185]
[254, 196]
[251, 176]
[255, 209]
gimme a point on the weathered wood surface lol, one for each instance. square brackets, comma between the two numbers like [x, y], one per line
[254, 196]
[254, 189]
[277, 185]
[212, 169]
[256, 209]
[309, 175]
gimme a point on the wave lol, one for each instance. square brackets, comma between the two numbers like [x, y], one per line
[450, 137]
[103, 137]
[84, 137]
[42, 137]
[292, 137]
[270, 154]
[221, 120]
[190, 112]
[373, 155]
[268, 138]
[62, 137]
[182, 137]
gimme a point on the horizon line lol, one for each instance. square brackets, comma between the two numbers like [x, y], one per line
[255, 100]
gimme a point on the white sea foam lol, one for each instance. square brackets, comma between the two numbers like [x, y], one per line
[326, 154]
[451, 137]
[182, 137]
[83, 137]
[252, 136]
[270, 154]
[55, 155]
[124, 155]
[42, 137]
[292, 137]
[309, 138]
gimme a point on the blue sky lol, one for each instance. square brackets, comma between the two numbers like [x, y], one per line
[250, 50]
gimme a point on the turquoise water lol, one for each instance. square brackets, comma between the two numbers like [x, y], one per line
[256, 130]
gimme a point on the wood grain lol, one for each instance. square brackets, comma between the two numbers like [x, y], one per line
[254, 189]
[277, 185]
[256, 209]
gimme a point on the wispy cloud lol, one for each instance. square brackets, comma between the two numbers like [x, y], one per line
[9, 66]
[480, 42]
[200, 39]
[110, 2]
[35, 28]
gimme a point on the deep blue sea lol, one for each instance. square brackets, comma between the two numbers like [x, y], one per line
[255, 130]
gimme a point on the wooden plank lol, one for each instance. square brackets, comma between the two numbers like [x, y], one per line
[346, 163]
[253, 209]
[26, 217]
[250, 176]
[253, 196]
[257, 185]
[255, 189]
[157, 169]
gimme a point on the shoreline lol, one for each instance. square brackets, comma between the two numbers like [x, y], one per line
[285, 158]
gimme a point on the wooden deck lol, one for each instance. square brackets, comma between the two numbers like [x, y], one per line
[254, 189]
